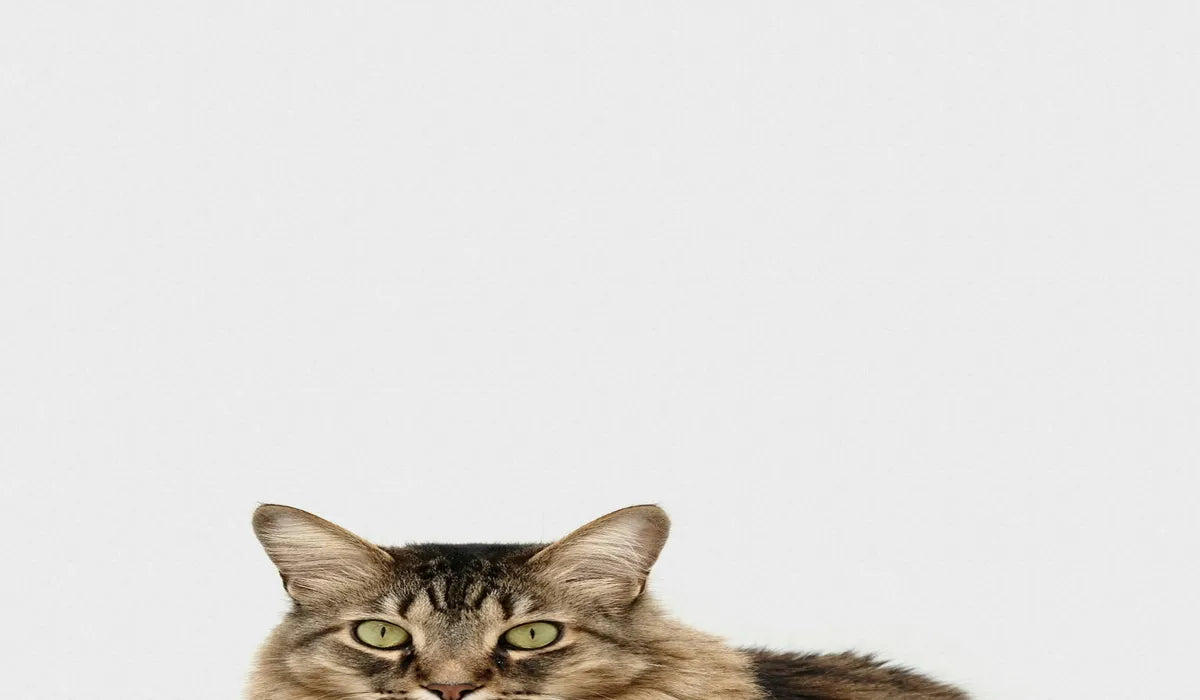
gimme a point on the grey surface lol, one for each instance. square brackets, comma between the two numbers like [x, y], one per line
[892, 305]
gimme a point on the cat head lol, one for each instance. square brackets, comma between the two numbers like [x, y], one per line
[440, 622]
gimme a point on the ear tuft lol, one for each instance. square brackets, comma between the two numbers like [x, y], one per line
[608, 559]
[318, 560]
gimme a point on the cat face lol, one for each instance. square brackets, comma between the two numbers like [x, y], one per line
[443, 622]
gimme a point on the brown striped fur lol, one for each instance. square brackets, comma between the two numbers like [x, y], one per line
[457, 601]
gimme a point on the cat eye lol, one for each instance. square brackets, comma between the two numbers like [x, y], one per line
[533, 635]
[380, 634]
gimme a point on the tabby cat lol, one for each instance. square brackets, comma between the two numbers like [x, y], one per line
[565, 621]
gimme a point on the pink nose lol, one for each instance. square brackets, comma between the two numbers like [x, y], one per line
[451, 691]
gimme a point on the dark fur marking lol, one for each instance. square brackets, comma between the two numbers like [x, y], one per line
[603, 636]
[500, 658]
[542, 663]
[406, 603]
[431, 592]
[456, 588]
[506, 603]
[360, 660]
[405, 663]
[314, 636]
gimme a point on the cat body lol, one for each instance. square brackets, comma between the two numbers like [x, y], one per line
[565, 621]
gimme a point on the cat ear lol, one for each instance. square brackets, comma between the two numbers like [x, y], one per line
[318, 560]
[608, 559]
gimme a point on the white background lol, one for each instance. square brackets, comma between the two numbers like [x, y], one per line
[892, 305]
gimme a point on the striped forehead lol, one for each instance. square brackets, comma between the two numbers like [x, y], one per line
[467, 580]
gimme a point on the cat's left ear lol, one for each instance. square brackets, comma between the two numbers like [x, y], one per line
[319, 561]
[608, 559]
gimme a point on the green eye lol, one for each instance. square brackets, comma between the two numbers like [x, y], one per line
[533, 635]
[380, 634]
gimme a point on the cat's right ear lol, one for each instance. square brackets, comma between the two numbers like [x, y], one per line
[608, 559]
[318, 561]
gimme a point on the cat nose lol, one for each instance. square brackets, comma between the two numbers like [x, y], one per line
[451, 691]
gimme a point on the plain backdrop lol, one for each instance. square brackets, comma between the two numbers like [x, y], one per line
[892, 305]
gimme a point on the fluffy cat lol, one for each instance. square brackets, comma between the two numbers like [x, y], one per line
[565, 621]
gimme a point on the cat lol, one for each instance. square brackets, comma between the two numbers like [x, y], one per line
[566, 621]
